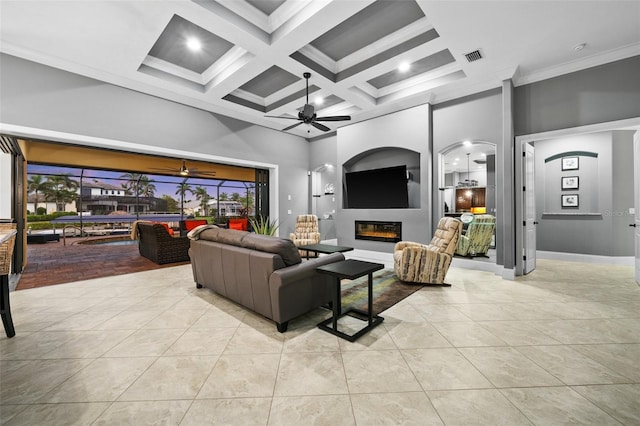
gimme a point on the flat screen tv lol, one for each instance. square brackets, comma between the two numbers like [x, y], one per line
[377, 189]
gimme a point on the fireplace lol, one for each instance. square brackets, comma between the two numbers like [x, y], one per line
[390, 232]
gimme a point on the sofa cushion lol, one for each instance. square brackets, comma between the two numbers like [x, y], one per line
[266, 243]
[231, 236]
[206, 232]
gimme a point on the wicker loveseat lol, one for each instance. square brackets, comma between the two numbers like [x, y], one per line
[157, 245]
[428, 264]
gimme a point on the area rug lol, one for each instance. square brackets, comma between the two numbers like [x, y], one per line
[387, 291]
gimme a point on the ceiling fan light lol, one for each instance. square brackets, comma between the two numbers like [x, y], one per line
[184, 170]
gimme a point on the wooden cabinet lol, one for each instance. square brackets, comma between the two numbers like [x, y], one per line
[467, 198]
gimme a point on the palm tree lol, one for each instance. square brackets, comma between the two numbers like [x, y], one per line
[62, 189]
[183, 188]
[147, 189]
[132, 185]
[36, 184]
[203, 197]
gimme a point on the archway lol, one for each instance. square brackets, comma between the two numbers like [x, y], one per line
[466, 176]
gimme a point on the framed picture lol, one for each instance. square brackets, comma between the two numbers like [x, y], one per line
[570, 201]
[570, 163]
[570, 182]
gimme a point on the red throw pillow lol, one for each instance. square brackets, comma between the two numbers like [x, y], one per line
[236, 225]
[240, 224]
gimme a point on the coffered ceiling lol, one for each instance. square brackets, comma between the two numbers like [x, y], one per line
[248, 56]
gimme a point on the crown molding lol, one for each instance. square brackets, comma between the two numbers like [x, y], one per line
[579, 65]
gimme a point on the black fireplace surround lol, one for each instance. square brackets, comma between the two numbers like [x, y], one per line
[390, 232]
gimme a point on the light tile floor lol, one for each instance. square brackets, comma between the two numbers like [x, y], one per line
[559, 346]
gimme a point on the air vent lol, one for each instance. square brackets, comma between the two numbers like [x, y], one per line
[473, 56]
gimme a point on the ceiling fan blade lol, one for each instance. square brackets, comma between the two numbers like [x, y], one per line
[286, 118]
[320, 126]
[334, 118]
[201, 173]
[291, 127]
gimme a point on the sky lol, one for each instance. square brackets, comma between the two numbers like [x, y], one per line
[165, 185]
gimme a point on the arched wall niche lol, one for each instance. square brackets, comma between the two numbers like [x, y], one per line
[383, 157]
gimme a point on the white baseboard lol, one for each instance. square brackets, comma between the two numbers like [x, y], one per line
[478, 265]
[586, 258]
[508, 274]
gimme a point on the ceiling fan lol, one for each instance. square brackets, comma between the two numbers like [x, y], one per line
[307, 114]
[186, 171]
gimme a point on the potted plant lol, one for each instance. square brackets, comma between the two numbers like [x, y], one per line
[263, 225]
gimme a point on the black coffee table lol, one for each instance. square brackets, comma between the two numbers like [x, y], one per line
[351, 269]
[324, 249]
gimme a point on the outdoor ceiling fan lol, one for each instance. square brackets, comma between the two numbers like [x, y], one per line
[186, 171]
[307, 114]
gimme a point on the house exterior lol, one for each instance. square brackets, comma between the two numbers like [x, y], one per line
[49, 205]
[103, 198]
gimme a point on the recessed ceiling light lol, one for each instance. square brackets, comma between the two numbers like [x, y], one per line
[404, 67]
[466, 143]
[483, 154]
[319, 100]
[457, 159]
[579, 47]
[194, 44]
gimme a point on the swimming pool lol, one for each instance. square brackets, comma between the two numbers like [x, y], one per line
[113, 241]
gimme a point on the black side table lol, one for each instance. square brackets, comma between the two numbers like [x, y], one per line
[350, 269]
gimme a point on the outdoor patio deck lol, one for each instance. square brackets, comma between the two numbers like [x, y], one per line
[54, 263]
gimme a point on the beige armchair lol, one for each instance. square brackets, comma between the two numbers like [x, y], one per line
[306, 232]
[477, 238]
[428, 264]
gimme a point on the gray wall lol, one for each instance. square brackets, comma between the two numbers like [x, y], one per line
[622, 193]
[42, 97]
[608, 92]
[323, 151]
[600, 94]
[475, 118]
[597, 225]
[407, 129]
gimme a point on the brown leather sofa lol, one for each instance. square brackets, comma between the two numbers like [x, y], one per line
[263, 273]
